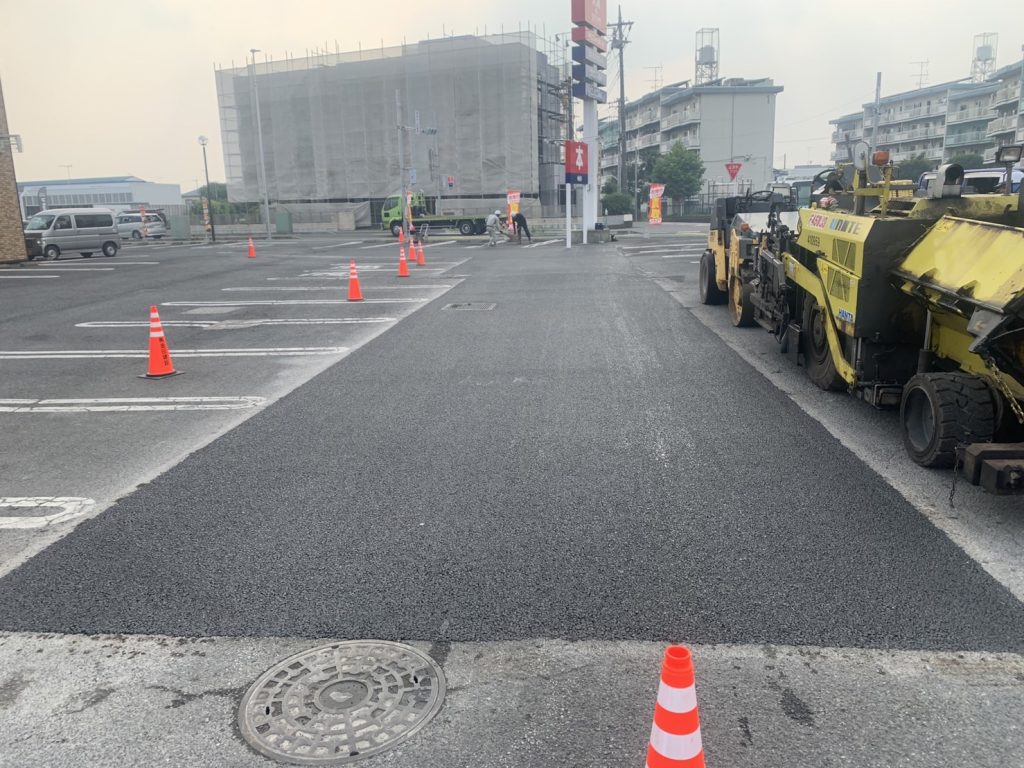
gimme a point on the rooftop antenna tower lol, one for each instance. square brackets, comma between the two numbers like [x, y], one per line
[706, 55]
[984, 56]
[922, 72]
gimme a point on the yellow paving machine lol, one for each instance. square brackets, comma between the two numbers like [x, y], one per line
[906, 301]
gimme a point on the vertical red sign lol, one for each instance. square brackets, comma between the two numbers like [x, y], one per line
[593, 13]
[576, 162]
[733, 169]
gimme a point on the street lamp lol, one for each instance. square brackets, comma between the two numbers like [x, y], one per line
[209, 200]
[259, 137]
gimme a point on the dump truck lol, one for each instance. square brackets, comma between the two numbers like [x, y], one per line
[421, 210]
[909, 302]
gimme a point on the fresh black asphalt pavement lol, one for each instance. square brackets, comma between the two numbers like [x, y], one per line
[582, 461]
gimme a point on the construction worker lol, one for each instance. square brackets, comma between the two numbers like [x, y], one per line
[493, 228]
[520, 226]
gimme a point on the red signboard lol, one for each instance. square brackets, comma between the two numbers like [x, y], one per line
[589, 36]
[733, 169]
[575, 162]
[592, 13]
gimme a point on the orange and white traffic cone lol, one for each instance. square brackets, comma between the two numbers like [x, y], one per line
[421, 260]
[403, 265]
[252, 249]
[355, 293]
[401, 235]
[675, 735]
[160, 364]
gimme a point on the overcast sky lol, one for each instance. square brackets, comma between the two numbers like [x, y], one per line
[115, 88]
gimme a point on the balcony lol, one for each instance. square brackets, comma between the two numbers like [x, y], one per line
[1006, 95]
[963, 115]
[990, 155]
[680, 118]
[841, 137]
[934, 132]
[913, 114]
[1000, 125]
[689, 142]
[961, 139]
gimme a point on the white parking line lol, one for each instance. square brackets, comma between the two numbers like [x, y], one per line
[288, 302]
[26, 277]
[307, 288]
[88, 354]
[81, 264]
[336, 245]
[236, 324]
[69, 506]
[443, 242]
[75, 269]
[546, 242]
[382, 245]
[131, 404]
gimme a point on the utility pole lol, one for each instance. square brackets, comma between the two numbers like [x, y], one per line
[619, 43]
[878, 107]
[259, 137]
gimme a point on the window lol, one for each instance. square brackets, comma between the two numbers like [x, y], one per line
[40, 222]
[93, 220]
[63, 222]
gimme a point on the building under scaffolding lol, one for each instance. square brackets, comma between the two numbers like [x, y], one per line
[491, 113]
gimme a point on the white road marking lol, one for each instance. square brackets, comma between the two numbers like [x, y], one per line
[75, 269]
[236, 324]
[285, 302]
[443, 242]
[336, 245]
[546, 242]
[42, 265]
[382, 245]
[69, 506]
[131, 404]
[652, 251]
[27, 277]
[88, 354]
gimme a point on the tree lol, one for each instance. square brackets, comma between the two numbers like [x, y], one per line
[616, 203]
[681, 171]
[914, 167]
[968, 160]
[218, 191]
[610, 186]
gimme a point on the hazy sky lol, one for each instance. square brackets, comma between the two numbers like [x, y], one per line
[115, 88]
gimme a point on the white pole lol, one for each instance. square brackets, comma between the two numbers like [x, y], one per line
[259, 137]
[568, 215]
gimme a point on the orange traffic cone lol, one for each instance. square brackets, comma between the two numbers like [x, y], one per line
[355, 293]
[675, 735]
[252, 249]
[421, 260]
[401, 235]
[160, 364]
[403, 265]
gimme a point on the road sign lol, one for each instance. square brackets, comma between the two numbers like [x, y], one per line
[451, 182]
[733, 169]
[576, 162]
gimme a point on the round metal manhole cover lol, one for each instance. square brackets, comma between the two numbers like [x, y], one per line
[341, 702]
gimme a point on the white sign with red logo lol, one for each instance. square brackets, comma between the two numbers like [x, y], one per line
[733, 169]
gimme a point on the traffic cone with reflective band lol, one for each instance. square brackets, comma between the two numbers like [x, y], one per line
[421, 260]
[675, 735]
[355, 293]
[401, 235]
[160, 364]
[252, 249]
[403, 265]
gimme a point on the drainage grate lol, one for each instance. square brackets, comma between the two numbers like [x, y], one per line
[341, 702]
[478, 305]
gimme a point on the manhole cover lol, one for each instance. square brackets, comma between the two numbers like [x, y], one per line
[479, 305]
[341, 702]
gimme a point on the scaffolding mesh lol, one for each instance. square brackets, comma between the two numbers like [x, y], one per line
[330, 121]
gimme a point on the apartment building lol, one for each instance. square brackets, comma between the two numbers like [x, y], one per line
[730, 120]
[940, 121]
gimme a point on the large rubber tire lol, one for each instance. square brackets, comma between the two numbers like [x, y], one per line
[467, 228]
[136, 235]
[821, 368]
[51, 253]
[741, 310]
[940, 411]
[396, 227]
[110, 248]
[709, 290]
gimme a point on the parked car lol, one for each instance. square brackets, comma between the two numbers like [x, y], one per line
[53, 232]
[981, 181]
[130, 225]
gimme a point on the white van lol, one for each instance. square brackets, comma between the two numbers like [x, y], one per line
[51, 233]
[130, 224]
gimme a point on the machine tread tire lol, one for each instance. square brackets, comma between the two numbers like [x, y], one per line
[742, 316]
[710, 293]
[821, 368]
[940, 411]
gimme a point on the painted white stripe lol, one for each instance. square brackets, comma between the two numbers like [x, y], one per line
[546, 242]
[131, 404]
[26, 277]
[654, 251]
[82, 264]
[235, 324]
[75, 269]
[443, 242]
[470, 247]
[677, 699]
[284, 302]
[675, 747]
[382, 245]
[73, 354]
[336, 245]
[68, 506]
